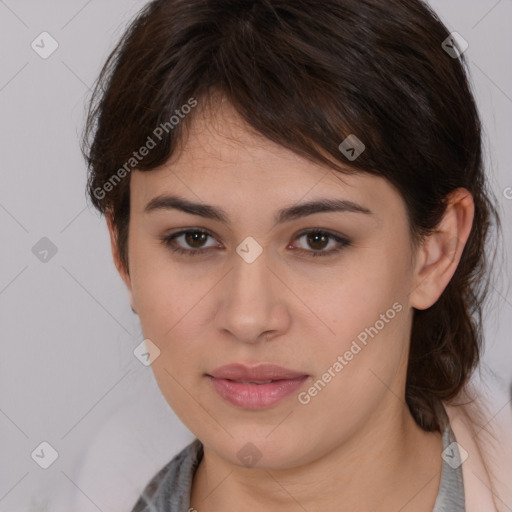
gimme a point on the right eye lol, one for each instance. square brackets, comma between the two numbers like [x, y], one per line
[192, 237]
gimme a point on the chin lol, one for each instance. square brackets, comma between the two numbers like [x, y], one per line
[264, 451]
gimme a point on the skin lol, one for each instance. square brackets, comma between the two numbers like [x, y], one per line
[354, 446]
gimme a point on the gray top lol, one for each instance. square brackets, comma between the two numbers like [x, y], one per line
[450, 497]
[169, 490]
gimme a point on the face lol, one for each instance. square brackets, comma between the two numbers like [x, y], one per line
[322, 294]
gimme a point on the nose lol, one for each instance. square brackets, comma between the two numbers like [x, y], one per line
[252, 303]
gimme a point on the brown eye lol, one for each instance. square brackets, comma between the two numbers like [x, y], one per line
[195, 239]
[317, 241]
[192, 242]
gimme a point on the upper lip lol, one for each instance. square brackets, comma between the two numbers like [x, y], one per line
[255, 373]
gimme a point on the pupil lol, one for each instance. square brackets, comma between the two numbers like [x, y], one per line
[314, 237]
[193, 237]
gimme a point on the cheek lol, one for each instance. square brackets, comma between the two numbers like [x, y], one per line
[357, 366]
[171, 311]
[354, 299]
[162, 292]
[365, 307]
[369, 343]
[171, 315]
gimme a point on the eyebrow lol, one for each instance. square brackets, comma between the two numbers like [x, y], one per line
[170, 202]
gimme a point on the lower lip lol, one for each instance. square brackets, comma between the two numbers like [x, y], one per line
[256, 396]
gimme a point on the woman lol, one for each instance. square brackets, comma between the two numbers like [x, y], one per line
[297, 205]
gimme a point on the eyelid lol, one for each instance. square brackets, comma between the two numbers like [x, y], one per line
[168, 239]
[341, 240]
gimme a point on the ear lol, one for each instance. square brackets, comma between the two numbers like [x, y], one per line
[125, 276]
[439, 254]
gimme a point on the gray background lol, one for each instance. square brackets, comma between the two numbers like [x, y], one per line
[68, 375]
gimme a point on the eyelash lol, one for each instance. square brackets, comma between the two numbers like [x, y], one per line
[168, 242]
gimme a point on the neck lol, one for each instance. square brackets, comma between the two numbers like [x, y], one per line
[390, 464]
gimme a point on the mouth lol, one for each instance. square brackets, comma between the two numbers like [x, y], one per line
[254, 381]
[256, 387]
[254, 374]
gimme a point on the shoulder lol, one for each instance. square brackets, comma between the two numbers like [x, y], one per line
[482, 425]
[169, 489]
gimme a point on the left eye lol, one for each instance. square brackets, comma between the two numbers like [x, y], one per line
[317, 239]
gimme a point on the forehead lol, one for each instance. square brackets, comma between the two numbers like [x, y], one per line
[223, 160]
[218, 139]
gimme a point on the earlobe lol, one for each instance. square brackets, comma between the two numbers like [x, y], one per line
[440, 252]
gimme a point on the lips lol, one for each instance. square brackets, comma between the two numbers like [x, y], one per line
[257, 374]
[255, 387]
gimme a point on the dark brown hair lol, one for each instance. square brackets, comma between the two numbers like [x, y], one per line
[307, 74]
